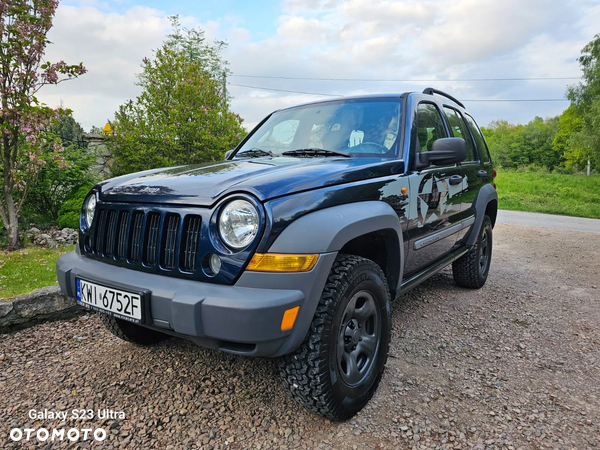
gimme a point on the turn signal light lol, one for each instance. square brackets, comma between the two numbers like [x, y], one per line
[282, 262]
[289, 317]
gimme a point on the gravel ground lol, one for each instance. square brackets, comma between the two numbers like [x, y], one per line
[514, 365]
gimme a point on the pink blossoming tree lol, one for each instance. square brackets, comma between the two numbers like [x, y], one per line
[25, 145]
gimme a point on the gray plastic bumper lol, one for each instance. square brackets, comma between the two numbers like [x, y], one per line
[244, 318]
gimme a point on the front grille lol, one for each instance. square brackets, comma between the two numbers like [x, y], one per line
[151, 238]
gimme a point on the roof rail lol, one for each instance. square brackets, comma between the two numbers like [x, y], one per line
[431, 91]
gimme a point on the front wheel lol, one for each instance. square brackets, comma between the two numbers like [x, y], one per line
[471, 269]
[337, 369]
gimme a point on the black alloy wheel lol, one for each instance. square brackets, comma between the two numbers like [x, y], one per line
[359, 338]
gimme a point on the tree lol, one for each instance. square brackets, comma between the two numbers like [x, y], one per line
[569, 125]
[25, 146]
[182, 115]
[585, 99]
[56, 183]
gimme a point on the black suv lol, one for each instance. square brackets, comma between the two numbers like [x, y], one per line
[296, 244]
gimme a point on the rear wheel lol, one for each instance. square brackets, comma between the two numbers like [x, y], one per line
[471, 270]
[131, 332]
[337, 369]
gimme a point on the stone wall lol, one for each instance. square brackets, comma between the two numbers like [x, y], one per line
[51, 237]
[96, 144]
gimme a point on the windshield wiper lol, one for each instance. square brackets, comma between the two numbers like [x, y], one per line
[254, 152]
[315, 152]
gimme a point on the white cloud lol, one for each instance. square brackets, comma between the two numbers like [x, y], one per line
[382, 39]
[111, 47]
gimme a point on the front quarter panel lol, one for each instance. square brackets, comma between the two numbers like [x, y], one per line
[326, 232]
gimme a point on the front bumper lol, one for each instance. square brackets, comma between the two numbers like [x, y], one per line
[244, 318]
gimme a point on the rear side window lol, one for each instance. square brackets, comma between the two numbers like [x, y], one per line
[430, 126]
[458, 127]
[479, 141]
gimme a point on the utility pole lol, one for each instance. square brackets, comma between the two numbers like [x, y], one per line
[225, 87]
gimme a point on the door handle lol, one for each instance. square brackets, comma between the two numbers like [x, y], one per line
[455, 179]
[482, 174]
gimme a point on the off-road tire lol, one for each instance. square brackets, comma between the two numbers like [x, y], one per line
[312, 374]
[131, 332]
[471, 269]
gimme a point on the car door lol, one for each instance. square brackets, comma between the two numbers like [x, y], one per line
[435, 206]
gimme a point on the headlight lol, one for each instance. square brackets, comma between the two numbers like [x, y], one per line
[238, 224]
[89, 208]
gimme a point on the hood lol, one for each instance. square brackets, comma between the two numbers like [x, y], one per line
[265, 178]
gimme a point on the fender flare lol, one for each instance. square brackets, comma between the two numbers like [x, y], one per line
[328, 230]
[486, 195]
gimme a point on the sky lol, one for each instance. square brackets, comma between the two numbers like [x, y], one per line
[322, 48]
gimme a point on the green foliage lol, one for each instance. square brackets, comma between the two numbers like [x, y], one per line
[552, 193]
[514, 146]
[68, 215]
[58, 180]
[181, 116]
[585, 101]
[25, 145]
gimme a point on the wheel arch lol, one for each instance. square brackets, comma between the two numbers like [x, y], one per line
[351, 228]
[485, 204]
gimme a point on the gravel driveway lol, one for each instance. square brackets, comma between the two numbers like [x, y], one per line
[515, 365]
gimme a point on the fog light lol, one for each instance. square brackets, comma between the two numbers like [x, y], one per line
[214, 263]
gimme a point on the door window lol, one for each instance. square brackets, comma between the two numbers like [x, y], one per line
[479, 141]
[458, 128]
[430, 126]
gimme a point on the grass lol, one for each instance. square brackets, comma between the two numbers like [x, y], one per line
[552, 193]
[24, 270]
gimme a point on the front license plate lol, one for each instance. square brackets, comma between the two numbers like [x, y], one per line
[118, 303]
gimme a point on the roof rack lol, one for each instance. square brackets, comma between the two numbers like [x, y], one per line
[431, 91]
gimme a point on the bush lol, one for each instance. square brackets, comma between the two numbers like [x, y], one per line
[68, 215]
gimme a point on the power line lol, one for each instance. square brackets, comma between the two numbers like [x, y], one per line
[470, 100]
[285, 90]
[518, 100]
[407, 80]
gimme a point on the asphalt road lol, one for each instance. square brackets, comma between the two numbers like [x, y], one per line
[548, 221]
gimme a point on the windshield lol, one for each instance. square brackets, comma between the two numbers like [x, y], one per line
[366, 127]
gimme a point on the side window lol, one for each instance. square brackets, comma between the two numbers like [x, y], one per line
[429, 126]
[479, 141]
[458, 127]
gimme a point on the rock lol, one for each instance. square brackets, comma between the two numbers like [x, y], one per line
[5, 308]
[46, 303]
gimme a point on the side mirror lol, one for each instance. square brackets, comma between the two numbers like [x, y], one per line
[228, 154]
[444, 151]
